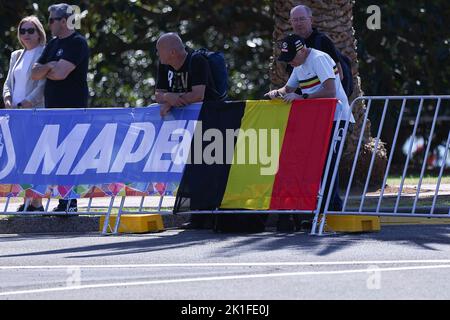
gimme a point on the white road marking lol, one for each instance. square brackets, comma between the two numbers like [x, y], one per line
[218, 278]
[221, 264]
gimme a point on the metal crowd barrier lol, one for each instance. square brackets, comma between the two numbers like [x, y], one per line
[116, 205]
[353, 204]
[410, 109]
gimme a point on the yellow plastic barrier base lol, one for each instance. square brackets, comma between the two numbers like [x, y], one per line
[353, 223]
[135, 223]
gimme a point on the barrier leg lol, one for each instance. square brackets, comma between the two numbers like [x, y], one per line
[47, 205]
[441, 171]
[7, 203]
[119, 214]
[141, 205]
[108, 214]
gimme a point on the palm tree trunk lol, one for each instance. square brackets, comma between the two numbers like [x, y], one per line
[335, 19]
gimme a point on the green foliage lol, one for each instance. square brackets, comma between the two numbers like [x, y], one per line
[122, 37]
[409, 55]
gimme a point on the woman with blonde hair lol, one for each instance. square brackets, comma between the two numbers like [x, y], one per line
[19, 90]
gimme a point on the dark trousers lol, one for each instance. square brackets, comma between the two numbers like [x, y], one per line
[335, 199]
[63, 203]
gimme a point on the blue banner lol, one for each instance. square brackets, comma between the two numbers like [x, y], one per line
[91, 146]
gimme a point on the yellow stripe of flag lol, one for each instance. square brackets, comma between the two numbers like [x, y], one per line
[247, 187]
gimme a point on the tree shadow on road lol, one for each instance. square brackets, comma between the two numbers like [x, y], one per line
[220, 245]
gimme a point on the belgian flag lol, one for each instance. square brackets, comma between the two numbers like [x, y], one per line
[301, 131]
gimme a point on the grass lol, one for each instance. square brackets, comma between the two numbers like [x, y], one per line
[405, 202]
[394, 181]
[414, 180]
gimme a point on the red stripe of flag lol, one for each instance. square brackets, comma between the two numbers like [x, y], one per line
[303, 155]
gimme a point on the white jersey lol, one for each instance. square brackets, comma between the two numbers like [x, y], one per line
[310, 76]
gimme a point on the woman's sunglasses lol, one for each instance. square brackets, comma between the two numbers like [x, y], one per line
[23, 31]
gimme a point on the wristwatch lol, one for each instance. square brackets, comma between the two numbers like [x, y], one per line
[305, 96]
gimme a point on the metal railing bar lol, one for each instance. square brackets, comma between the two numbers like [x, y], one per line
[400, 190]
[355, 161]
[374, 152]
[324, 180]
[444, 163]
[391, 156]
[424, 165]
[335, 171]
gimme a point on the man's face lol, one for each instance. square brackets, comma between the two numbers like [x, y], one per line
[164, 54]
[55, 24]
[299, 59]
[301, 22]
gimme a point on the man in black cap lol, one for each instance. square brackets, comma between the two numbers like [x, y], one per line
[317, 75]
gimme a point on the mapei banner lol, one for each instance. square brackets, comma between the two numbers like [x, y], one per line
[231, 155]
[70, 147]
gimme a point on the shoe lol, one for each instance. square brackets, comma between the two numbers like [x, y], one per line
[305, 225]
[33, 208]
[285, 223]
[199, 221]
[191, 225]
[64, 208]
[30, 208]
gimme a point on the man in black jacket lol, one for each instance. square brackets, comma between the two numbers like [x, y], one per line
[301, 21]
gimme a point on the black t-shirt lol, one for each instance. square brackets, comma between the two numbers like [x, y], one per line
[322, 43]
[185, 78]
[71, 92]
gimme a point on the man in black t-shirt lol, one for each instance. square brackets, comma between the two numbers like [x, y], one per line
[183, 76]
[64, 65]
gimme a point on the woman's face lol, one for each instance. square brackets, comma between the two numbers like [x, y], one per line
[29, 35]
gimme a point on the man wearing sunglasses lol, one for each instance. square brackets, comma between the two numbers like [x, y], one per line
[64, 63]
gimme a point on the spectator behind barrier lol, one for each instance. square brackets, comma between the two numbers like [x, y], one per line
[317, 75]
[64, 63]
[183, 77]
[19, 90]
[301, 19]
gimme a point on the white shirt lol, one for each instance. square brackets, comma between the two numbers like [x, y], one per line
[311, 75]
[20, 76]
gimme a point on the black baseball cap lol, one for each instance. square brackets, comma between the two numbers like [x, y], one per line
[289, 46]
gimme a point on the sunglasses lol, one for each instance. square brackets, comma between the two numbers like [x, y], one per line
[51, 20]
[23, 31]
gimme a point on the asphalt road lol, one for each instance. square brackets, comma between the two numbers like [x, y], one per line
[400, 262]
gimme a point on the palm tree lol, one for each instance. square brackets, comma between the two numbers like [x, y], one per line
[334, 18]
